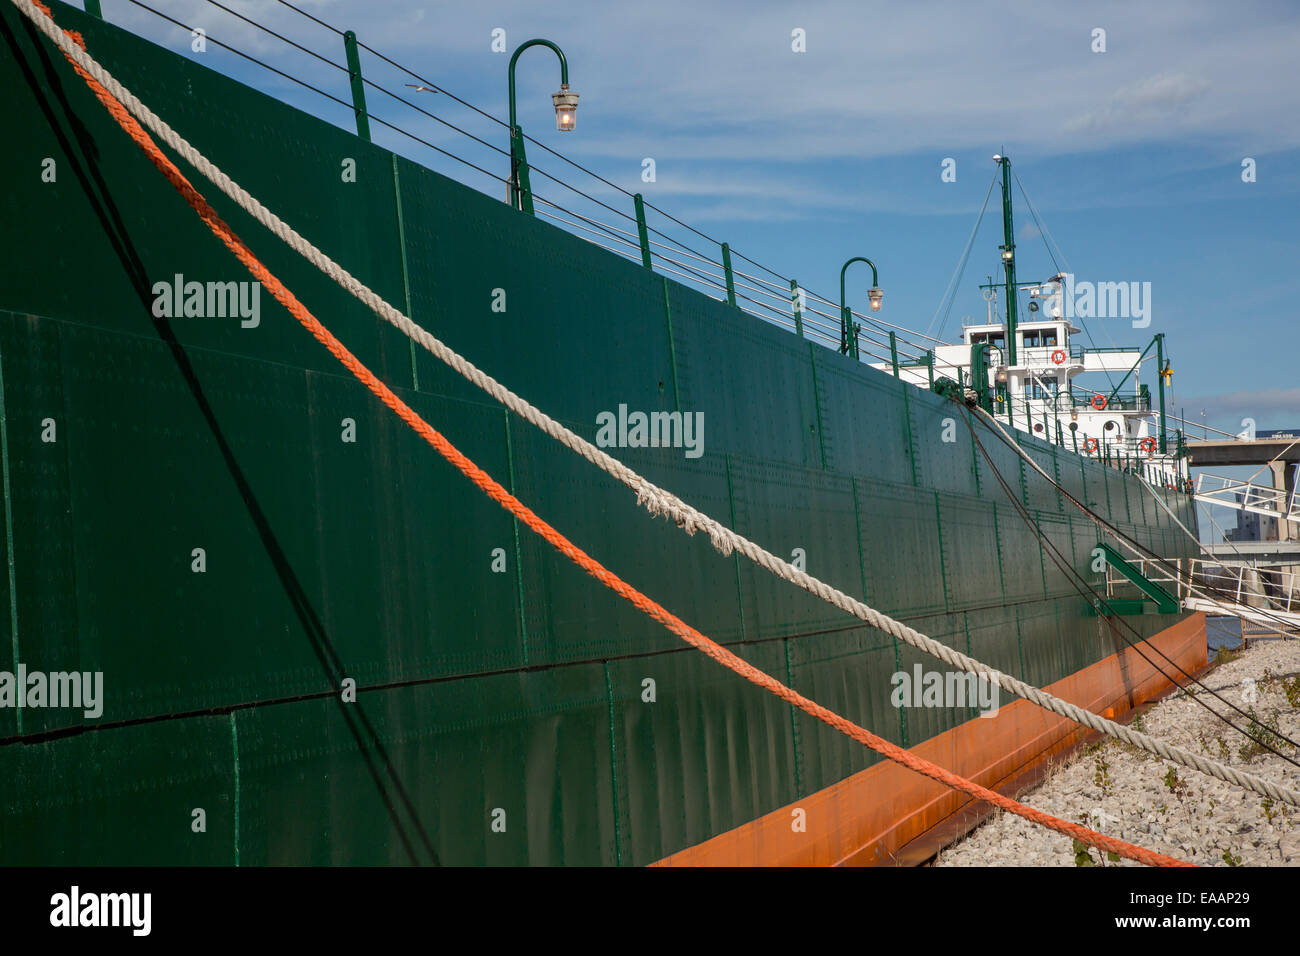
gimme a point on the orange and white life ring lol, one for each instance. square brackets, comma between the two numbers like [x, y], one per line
[1090, 445]
[1099, 401]
[1058, 357]
[1148, 445]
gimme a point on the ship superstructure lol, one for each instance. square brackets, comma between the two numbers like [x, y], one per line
[1036, 373]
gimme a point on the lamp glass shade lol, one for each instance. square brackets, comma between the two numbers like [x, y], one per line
[876, 297]
[566, 109]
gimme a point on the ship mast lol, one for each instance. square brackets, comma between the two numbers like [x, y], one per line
[1008, 248]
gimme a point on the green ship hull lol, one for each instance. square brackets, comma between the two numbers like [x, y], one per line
[185, 514]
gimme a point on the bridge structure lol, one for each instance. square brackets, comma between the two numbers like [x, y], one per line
[1257, 581]
[1277, 450]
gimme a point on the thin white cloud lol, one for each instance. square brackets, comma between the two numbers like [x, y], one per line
[1162, 100]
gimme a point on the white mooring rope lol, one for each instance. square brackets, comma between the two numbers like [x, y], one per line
[656, 500]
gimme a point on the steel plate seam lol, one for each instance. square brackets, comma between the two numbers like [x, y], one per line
[794, 725]
[943, 559]
[406, 274]
[909, 431]
[857, 521]
[234, 747]
[519, 554]
[740, 591]
[10, 558]
[672, 347]
[613, 765]
[997, 540]
[817, 403]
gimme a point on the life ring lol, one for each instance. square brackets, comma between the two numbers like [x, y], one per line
[1099, 401]
[1148, 445]
[1058, 357]
[1090, 445]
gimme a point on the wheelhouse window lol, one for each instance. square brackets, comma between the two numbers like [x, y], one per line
[1042, 388]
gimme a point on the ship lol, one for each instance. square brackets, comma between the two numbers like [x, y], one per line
[316, 643]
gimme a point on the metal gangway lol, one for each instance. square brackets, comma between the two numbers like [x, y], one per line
[1246, 496]
[1266, 597]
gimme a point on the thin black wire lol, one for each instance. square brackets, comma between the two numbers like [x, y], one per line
[279, 36]
[1136, 545]
[549, 176]
[364, 79]
[950, 292]
[1037, 224]
[1086, 590]
[1043, 232]
[553, 152]
[606, 231]
[314, 89]
[425, 81]
[310, 17]
[695, 272]
[566, 159]
[575, 189]
[432, 85]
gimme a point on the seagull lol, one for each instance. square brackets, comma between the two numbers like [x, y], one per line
[422, 89]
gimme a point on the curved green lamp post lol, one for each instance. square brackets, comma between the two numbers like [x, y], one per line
[519, 191]
[849, 344]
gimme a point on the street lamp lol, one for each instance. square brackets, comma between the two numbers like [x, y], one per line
[519, 191]
[875, 295]
[566, 109]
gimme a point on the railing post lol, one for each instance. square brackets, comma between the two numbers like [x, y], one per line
[794, 304]
[641, 230]
[930, 358]
[726, 268]
[521, 188]
[358, 87]
[893, 353]
[92, 7]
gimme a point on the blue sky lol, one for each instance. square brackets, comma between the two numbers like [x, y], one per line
[1132, 156]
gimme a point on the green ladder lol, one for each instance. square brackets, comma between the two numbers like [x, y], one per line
[1165, 602]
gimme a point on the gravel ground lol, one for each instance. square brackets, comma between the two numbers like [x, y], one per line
[1130, 794]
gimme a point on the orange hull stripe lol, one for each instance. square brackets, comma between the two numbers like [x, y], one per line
[865, 818]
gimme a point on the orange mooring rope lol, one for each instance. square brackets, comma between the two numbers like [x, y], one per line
[562, 544]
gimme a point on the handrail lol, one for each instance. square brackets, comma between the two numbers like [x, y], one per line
[791, 306]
